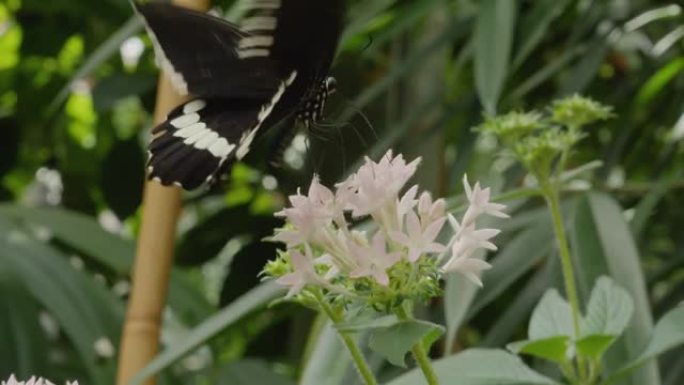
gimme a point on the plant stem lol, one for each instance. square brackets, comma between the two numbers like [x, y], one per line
[553, 202]
[420, 354]
[361, 364]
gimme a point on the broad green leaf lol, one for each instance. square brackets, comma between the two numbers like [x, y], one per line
[80, 232]
[594, 345]
[667, 334]
[85, 234]
[249, 372]
[22, 351]
[493, 41]
[551, 318]
[603, 245]
[554, 348]
[255, 299]
[84, 310]
[478, 367]
[395, 341]
[609, 311]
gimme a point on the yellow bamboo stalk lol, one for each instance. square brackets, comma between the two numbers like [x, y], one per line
[154, 256]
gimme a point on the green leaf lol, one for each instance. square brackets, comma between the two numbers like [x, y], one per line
[603, 245]
[478, 367]
[667, 334]
[554, 348]
[84, 310]
[594, 345]
[22, 351]
[493, 40]
[586, 70]
[249, 372]
[328, 360]
[80, 232]
[551, 318]
[395, 341]
[654, 86]
[514, 261]
[103, 53]
[366, 323]
[609, 311]
[534, 25]
[257, 298]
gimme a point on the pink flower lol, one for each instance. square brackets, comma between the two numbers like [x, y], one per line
[308, 214]
[419, 238]
[470, 267]
[374, 260]
[303, 273]
[479, 203]
[430, 211]
[466, 242]
[379, 183]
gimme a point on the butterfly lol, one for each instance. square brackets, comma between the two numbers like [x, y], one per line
[243, 79]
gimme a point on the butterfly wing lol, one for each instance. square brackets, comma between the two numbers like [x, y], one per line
[248, 78]
[199, 52]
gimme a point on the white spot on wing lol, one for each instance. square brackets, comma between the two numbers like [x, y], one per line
[248, 53]
[194, 106]
[190, 130]
[255, 41]
[264, 4]
[266, 110]
[259, 23]
[185, 120]
[221, 148]
[207, 140]
[177, 79]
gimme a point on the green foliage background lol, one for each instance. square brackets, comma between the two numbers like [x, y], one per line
[422, 71]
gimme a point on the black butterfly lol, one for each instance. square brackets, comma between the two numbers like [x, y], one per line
[245, 79]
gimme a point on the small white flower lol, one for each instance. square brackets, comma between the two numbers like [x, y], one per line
[419, 239]
[470, 267]
[374, 260]
[379, 183]
[308, 214]
[430, 211]
[104, 347]
[304, 273]
[479, 203]
[32, 381]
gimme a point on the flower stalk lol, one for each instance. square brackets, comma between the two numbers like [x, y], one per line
[356, 354]
[420, 353]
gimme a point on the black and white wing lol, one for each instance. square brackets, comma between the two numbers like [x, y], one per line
[246, 79]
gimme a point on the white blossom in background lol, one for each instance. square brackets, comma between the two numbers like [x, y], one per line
[131, 50]
[32, 381]
[403, 247]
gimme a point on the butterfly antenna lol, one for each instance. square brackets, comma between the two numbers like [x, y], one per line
[363, 116]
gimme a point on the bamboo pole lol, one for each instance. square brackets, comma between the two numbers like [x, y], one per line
[154, 256]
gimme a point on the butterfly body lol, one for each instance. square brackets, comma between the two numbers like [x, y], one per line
[245, 78]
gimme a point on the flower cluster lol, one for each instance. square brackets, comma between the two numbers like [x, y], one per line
[394, 252]
[32, 381]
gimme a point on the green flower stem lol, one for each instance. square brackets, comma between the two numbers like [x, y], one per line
[419, 353]
[361, 364]
[553, 202]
